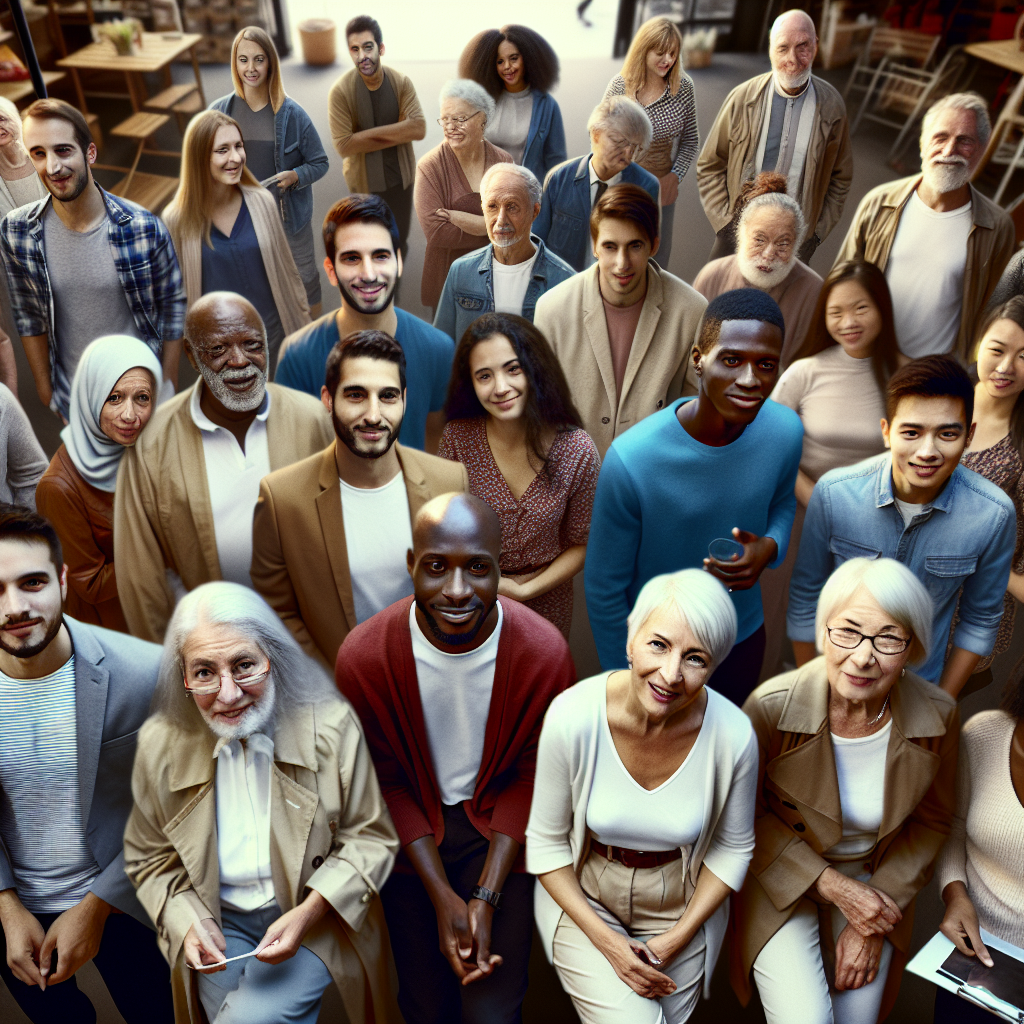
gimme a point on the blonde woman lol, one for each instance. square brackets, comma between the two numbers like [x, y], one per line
[281, 144]
[653, 76]
[227, 232]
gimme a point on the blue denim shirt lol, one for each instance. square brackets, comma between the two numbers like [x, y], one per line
[469, 292]
[545, 141]
[962, 545]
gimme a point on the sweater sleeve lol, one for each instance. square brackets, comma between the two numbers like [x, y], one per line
[732, 845]
[689, 135]
[782, 510]
[26, 462]
[429, 198]
[547, 834]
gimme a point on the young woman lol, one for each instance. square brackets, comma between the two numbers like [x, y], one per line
[653, 76]
[281, 143]
[512, 423]
[518, 68]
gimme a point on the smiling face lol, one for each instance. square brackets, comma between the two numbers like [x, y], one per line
[659, 62]
[226, 343]
[792, 49]
[613, 151]
[852, 318]
[368, 406]
[767, 246]
[252, 64]
[465, 124]
[227, 158]
[365, 53]
[128, 406]
[927, 437]
[366, 267]
[622, 251]
[738, 373]
[511, 67]
[58, 159]
[1001, 360]
[32, 593]
[508, 212]
[950, 150]
[498, 378]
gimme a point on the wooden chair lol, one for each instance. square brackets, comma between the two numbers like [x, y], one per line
[149, 190]
[181, 100]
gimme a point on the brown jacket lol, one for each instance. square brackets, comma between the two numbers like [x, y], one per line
[659, 369]
[798, 815]
[727, 159]
[989, 245]
[162, 514]
[299, 554]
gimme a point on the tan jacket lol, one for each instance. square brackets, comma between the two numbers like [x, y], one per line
[660, 368]
[798, 815]
[330, 831]
[343, 115]
[162, 514]
[727, 159]
[299, 553]
[989, 245]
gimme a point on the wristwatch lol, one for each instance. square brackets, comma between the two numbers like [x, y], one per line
[487, 895]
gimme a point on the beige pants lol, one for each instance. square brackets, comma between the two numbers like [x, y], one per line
[641, 903]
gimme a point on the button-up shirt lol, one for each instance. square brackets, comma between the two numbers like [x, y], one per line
[595, 181]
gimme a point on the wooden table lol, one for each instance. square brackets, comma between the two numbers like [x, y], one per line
[1004, 53]
[17, 91]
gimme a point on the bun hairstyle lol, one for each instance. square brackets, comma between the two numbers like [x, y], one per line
[766, 183]
[768, 189]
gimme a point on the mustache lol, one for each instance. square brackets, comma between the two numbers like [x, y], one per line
[951, 161]
[18, 620]
[239, 375]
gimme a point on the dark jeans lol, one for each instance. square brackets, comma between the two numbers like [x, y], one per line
[951, 1009]
[428, 990]
[130, 963]
[738, 674]
[400, 202]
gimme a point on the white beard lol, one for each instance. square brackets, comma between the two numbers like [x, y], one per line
[254, 719]
[792, 81]
[947, 177]
[228, 398]
[761, 279]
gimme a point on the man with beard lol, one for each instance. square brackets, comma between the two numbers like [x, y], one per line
[451, 688]
[72, 699]
[363, 261]
[83, 262]
[941, 243]
[788, 121]
[331, 533]
[186, 491]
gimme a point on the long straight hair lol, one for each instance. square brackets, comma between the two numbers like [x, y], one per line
[266, 44]
[1012, 310]
[660, 35]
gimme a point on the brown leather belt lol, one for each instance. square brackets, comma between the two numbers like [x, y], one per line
[636, 858]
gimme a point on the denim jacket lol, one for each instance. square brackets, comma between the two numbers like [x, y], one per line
[962, 546]
[545, 141]
[468, 291]
[297, 148]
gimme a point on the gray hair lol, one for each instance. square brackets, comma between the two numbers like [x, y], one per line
[783, 202]
[698, 599]
[897, 590]
[298, 679]
[7, 107]
[473, 93]
[960, 101]
[624, 114]
[529, 179]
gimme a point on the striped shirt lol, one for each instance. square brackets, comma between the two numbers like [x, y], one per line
[40, 813]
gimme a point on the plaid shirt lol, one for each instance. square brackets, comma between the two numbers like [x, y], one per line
[146, 265]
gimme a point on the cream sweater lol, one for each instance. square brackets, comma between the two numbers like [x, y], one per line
[985, 849]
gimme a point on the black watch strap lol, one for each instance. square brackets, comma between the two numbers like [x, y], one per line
[487, 895]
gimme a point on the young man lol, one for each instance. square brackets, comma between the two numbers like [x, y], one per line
[363, 261]
[83, 262]
[623, 329]
[72, 699]
[722, 465]
[451, 687]
[331, 533]
[917, 504]
[375, 117]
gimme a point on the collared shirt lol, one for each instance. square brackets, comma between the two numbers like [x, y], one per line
[233, 477]
[960, 546]
[594, 182]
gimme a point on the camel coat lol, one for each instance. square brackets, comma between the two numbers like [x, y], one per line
[299, 552]
[329, 830]
[799, 816]
[162, 514]
[659, 369]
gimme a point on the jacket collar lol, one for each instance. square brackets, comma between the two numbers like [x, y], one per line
[827, 111]
[883, 487]
[582, 171]
[91, 682]
[119, 214]
[539, 272]
[898, 195]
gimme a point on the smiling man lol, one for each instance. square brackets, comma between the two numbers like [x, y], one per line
[916, 504]
[451, 687]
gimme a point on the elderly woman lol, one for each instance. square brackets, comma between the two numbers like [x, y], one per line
[642, 821]
[258, 824]
[447, 192]
[858, 767]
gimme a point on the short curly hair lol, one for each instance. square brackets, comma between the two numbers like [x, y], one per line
[479, 59]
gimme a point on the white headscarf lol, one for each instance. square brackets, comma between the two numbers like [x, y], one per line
[102, 365]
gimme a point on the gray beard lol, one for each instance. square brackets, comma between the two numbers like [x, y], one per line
[791, 82]
[947, 177]
[760, 279]
[228, 398]
[255, 718]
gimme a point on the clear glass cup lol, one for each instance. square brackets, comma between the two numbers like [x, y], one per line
[722, 549]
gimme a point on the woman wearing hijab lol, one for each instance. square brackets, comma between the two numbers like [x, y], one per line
[113, 396]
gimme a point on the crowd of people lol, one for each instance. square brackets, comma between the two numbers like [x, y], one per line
[286, 696]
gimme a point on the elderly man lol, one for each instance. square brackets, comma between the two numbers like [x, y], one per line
[619, 129]
[941, 243]
[258, 823]
[186, 491]
[788, 121]
[516, 269]
[72, 699]
[458, 777]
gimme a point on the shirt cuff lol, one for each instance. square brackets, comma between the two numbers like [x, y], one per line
[977, 641]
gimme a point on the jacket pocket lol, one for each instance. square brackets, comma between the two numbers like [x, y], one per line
[945, 574]
[565, 232]
[470, 302]
[844, 550]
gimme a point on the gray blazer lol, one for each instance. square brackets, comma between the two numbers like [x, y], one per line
[115, 675]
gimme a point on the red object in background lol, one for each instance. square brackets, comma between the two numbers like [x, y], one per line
[11, 72]
[1003, 25]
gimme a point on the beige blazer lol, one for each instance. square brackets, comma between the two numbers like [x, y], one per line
[659, 369]
[299, 553]
[330, 830]
[162, 514]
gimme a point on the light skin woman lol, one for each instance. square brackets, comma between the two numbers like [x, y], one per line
[658, 63]
[227, 163]
[129, 406]
[464, 126]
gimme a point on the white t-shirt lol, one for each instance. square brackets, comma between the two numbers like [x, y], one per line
[378, 533]
[926, 277]
[455, 691]
[510, 284]
[860, 765]
[908, 510]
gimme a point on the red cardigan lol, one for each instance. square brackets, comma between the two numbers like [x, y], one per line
[376, 671]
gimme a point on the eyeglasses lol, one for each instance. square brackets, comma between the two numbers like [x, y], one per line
[246, 675]
[884, 643]
[456, 122]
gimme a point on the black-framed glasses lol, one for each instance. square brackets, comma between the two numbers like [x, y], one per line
[884, 643]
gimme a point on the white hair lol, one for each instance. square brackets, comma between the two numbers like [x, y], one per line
[529, 179]
[473, 93]
[897, 590]
[625, 115]
[698, 599]
[960, 101]
[786, 14]
[783, 202]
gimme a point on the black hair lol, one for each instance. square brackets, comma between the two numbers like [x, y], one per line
[931, 377]
[738, 304]
[360, 206]
[372, 345]
[364, 23]
[18, 522]
[479, 60]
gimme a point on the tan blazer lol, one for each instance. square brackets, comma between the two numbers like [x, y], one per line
[162, 514]
[659, 370]
[330, 830]
[299, 553]
[798, 815]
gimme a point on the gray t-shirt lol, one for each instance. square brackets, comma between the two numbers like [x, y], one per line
[384, 102]
[259, 137]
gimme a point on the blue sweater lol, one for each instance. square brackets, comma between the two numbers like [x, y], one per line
[662, 497]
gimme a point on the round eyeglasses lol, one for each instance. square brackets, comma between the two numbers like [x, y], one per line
[247, 673]
[884, 643]
[456, 122]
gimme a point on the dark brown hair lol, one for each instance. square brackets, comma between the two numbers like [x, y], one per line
[479, 60]
[359, 206]
[1012, 310]
[372, 345]
[17, 522]
[364, 23]
[626, 202]
[930, 377]
[59, 110]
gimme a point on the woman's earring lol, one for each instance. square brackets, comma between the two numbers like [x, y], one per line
[903, 673]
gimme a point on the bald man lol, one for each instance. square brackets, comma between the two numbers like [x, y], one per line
[185, 493]
[451, 686]
[788, 121]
